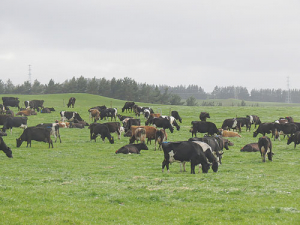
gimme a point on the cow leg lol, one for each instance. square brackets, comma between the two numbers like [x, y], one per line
[165, 163]
[192, 167]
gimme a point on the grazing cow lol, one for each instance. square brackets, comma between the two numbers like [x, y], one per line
[94, 114]
[151, 117]
[150, 133]
[140, 134]
[121, 118]
[285, 128]
[229, 124]
[102, 130]
[109, 112]
[163, 123]
[71, 102]
[54, 129]
[294, 138]
[203, 116]
[254, 119]
[265, 147]
[5, 149]
[114, 127]
[227, 133]
[127, 123]
[36, 134]
[264, 128]
[26, 112]
[14, 122]
[204, 127]
[70, 116]
[185, 151]
[34, 104]
[138, 110]
[175, 114]
[11, 102]
[128, 106]
[132, 148]
[252, 147]
[160, 137]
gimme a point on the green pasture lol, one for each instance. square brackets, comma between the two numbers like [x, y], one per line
[83, 182]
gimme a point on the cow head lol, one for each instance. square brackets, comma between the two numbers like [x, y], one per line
[144, 146]
[291, 139]
[255, 133]
[205, 167]
[8, 152]
[111, 140]
[215, 166]
[19, 142]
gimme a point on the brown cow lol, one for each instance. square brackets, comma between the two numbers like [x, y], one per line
[94, 114]
[227, 133]
[160, 137]
[140, 134]
[26, 112]
[150, 133]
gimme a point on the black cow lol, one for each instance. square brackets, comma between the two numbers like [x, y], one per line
[2, 133]
[252, 147]
[114, 127]
[265, 147]
[254, 119]
[54, 129]
[185, 151]
[5, 149]
[102, 130]
[71, 102]
[121, 118]
[132, 148]
[175, 114]
[229, 124]
[203, 116]
[11, 102]
[36, 134]
[34, 104]
[294, 138]
[109, 112]
[3, 118]
[15, 122]
[127, 123]
[285, 128]
[128, 106]
[264, 128]
[70, 116]
[243, 121]
[289, 119]
[9, 98]
[204, 127]
[163, 123]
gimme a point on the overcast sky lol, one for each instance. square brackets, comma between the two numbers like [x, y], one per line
[254, 44]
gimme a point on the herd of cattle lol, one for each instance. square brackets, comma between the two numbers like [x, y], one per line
[206, 151]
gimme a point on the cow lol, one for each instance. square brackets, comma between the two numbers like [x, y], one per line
[229, 124]
[227, 133]
[172, 121]
[14, 122]
[289, 119]
[63, 124]
[114, 127]
[285, 128]
[252, 147]
[163, 123]
[71, 102]
[100, 108]
[138, 110]
[150, 133]
[9, 98]
[185, 151]
[94, 114]
[45, 110]
[132, 148]
[3, 118]
[70, 116]
[121, 118]
[26, 112]
[127, 123]
[10, 112]
[102, 130]
[294, 138]
[151, 117]
[160, 137]
[109, 112]
[76, 125]
[5, 149]
[140, 134]
[254, 119]
[128, 106]
[264, 128]
[204, 127]
[175, 114]
[203, 116]
[34, 104]
[11, 102]
[265, 147]
[243, 121]
[36, 134]
[54, 129]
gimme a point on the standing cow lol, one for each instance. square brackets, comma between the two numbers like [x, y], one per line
[265, 147]
[36, 134]
[71, 102]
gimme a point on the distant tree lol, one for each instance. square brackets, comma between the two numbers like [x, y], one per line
[191, 101]
[37, 88]
[9, 87]
[92, 86]
[175, 100]
[50, 88]
[2, 87]
[81, 85]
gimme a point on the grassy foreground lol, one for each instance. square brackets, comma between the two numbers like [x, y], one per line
[83, 182]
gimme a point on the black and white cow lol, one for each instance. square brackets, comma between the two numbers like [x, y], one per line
[254, 119]
[229, 124]
[285, 129]
[34, 104]
[265, 147]
[204, 127]
[294, 138]
[115, 127]
[127, 123]
[71, 102]
[70, 116]
[15, 122]
[172, 121]
[54, 128]
[132, 148]
[185, 151]
[163, 123]
[36, 134]
[102, 130]
[109, 112]
[175, 114]
[128, 106]
[5, 149]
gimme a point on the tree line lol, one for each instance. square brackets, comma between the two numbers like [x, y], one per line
[129, 90]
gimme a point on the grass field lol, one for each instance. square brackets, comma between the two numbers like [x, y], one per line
[83, 182]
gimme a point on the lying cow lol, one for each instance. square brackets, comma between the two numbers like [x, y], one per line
[5, 149]
[252, 147]
[36, 134]
[26, 112]
[132, 148]
[227, 133]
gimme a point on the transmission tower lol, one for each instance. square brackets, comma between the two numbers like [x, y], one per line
[288, 96]
[29, 74]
